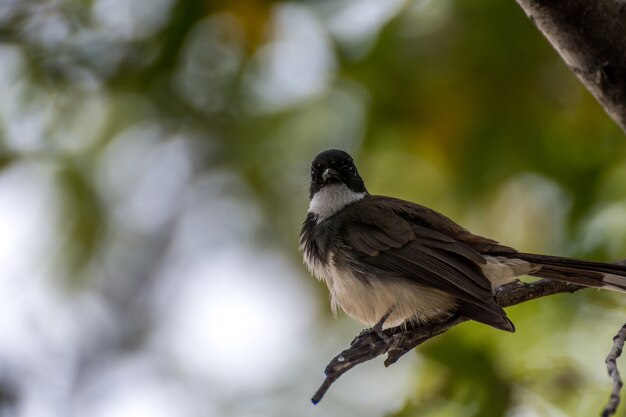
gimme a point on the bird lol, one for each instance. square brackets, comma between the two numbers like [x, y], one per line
[389, 262]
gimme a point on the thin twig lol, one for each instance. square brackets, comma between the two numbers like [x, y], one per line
[368, 345]
[611, 365]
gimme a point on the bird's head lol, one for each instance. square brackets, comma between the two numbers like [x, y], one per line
[335, 168]
[335, 183]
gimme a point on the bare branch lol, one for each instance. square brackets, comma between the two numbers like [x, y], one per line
[611, 366]
[368, 345]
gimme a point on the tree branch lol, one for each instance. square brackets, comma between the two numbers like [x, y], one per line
[611, 366]
[368, 345]
[590, 36]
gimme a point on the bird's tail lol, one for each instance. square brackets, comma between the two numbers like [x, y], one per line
[576, 271]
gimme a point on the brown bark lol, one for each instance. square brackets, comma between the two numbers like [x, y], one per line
[611, 366]
[368, 345]
[590, 36]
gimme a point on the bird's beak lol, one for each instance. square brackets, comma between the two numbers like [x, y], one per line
[330, 175]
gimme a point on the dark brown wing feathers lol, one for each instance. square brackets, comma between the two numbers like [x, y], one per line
[396, 238]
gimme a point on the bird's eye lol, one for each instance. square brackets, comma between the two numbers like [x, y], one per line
[348, 168]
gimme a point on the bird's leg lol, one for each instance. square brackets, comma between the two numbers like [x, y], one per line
[378, 327]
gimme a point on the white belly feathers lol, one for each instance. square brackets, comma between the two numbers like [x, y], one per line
[369, 300]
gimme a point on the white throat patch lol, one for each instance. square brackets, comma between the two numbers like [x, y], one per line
[332, 198]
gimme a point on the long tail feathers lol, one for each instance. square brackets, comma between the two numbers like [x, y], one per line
[576, 271]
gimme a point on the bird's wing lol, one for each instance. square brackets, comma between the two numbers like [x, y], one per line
[432, 219]
[399, 242]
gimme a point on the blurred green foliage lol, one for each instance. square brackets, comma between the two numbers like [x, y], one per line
[461, 106]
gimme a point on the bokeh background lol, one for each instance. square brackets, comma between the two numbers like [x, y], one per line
[153, 178]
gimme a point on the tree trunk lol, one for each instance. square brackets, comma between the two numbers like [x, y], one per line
[590, 36]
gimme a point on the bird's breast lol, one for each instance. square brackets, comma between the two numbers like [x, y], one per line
[318, 265]
[368, 298]
[360, 293]
[316, 242]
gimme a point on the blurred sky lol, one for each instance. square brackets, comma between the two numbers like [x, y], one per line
[153, 178]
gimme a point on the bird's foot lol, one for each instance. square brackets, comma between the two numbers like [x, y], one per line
[378, 329]
[378, 332]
